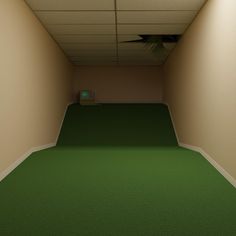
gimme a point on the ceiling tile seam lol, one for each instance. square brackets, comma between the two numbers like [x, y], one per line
[97, 34]
[94, 34]
[115, 10]
[78, 43]
[63, 34]
[186, 23]
[106, 43]
[86, 34]
[79, 24]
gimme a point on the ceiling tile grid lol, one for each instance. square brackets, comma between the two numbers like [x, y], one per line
[84, 38]
[77, 18]
[100, 31]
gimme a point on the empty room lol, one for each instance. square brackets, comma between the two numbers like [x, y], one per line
[117, 117]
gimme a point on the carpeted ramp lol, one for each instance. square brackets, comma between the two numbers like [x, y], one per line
[117, 125]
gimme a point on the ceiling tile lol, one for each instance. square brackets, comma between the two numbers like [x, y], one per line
[86, 30]
[73, 46]
[135, 53]
[163, 17]
[160, 4]
[139, 62]
[139, 52]
[101, 63]
[132, 46]
[93, 58]
[81, 29]
[90, 53]
[82, 17]
[86, 38]
[137, 58]
[152, 29]
[71, 4]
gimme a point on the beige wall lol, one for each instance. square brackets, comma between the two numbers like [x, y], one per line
[200, 84]
[35, 83]
[120, 84]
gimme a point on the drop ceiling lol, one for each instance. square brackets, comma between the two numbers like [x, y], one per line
[96, 31]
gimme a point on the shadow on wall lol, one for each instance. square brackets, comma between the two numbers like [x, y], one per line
[117, 125]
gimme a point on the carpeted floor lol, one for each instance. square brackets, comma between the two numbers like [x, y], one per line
[99, 182]
[117, 125]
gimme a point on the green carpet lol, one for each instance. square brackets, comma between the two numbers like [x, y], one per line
[114, 186]
[117, 125]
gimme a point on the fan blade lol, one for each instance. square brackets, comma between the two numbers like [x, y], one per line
[145, 37]
[134, 41]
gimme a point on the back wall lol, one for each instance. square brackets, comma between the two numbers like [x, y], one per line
[120, 84]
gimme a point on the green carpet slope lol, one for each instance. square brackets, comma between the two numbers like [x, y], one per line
[117, 125]
[116, 189]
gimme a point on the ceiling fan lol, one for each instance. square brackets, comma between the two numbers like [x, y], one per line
[156, 42]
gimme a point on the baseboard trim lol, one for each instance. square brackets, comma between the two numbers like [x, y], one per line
[14, 165]
[218, 167]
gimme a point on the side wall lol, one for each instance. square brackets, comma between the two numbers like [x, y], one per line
[35, 83]
[121, 84]
[200, 84]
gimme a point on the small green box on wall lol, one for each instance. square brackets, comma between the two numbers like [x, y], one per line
[85, 94]
[87, 97]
